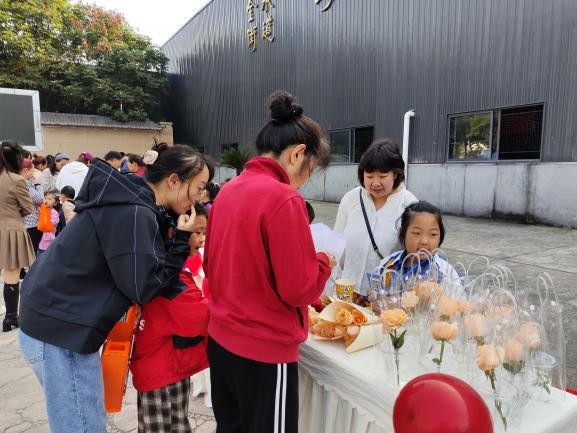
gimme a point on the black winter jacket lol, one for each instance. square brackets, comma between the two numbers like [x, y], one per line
[115, 251]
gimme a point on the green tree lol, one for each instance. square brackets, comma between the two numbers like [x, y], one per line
[82, 59]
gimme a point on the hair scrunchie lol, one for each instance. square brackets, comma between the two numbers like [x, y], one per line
[150, 157]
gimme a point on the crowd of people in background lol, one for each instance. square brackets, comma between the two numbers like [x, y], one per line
[53, 181]
[96, 235]
[38, 200]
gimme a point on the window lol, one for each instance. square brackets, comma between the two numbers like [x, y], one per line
[511, 133]
[340, 146]
[363, 139]
[520, 134]
[348, 145]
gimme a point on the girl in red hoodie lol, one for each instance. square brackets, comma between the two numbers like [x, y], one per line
[170, 346]
[264, 272]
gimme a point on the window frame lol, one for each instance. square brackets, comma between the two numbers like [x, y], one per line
[354, 145]
[473, 113]
[492, 112]
[540, 159]
[349, 130]
[352, 142]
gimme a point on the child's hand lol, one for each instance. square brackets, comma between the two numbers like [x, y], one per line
[186, 222]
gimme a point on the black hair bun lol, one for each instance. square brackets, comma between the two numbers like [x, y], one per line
[282, 107]
[160, 147]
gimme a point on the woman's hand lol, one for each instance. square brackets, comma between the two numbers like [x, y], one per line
[186, 222]
[332, 260]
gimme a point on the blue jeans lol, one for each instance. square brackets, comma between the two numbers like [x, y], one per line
[73, 387]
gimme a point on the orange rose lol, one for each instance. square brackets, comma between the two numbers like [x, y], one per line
[514, 351]
[409, 299]
[441, 330]
[463, 306]
[499, 312]
[338, 331]
[344, 317]
[351, 333]
[475, 325]
[328, 330]
[447, 306]
[317, 327]
[353, 330]
[529, 335]
[358, 317]
[428, 289]
[313, 316]
[393, 319]
[489, 357]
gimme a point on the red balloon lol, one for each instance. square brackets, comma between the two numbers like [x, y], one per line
[438, 403]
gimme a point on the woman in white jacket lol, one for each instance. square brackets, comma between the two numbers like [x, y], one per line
[384, 197]
[74, 173]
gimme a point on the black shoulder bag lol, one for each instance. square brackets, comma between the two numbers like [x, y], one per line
[375, 248]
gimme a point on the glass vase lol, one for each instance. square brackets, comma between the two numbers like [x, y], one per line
[541, 366]
[499, 395]
[398, 364]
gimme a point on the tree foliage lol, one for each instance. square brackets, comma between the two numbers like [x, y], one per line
[235, 158]
[82, 59]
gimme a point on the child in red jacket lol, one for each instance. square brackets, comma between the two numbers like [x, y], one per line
[170, 346]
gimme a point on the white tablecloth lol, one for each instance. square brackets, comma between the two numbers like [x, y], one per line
[347, 393]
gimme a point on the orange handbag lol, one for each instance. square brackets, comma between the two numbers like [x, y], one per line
[115, 358]
[44, 223]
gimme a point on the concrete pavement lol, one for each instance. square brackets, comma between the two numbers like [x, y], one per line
[526, 250]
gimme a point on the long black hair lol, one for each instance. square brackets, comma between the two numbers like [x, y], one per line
[11, 156]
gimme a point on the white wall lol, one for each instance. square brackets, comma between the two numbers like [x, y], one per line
[221, 173]
[532, 192]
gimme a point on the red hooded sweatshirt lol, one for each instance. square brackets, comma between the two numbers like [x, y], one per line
[155, 361]
[262, 266]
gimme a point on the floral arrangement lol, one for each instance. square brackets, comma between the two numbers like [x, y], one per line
[393, 320]
[343, 320]
[507, 342]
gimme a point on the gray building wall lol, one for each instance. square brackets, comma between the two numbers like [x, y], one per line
[367, 62]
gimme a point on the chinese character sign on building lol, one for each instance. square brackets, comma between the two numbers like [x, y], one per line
[252, 30]
[254, 18]
[267, 27]
[267, 6]
[260, 17]
[326, 5]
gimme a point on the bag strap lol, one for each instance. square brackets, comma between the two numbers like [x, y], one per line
[375, 248]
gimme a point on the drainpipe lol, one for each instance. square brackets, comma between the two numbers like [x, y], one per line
[406, 131]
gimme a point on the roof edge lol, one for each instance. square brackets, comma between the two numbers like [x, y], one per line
[147, 124]
[186, 23]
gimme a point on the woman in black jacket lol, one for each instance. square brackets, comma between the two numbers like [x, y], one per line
[121, 247]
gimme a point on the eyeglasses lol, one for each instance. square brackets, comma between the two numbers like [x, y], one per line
[201, 188]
